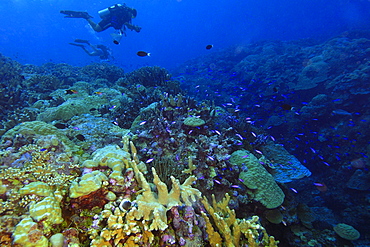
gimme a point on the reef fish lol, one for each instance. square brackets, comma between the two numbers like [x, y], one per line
[208, 47]
[71, 91]
[143, 54]
[286, 107]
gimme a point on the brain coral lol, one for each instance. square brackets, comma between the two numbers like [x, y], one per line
[346, 231]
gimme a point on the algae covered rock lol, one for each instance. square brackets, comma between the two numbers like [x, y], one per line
[255, 177]
[72, 107]
[194, 121]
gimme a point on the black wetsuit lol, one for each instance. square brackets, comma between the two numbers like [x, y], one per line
[118, 16]
[105, 54]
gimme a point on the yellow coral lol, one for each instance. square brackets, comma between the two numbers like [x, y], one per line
[155, 205]
[88, 183]
[27, 234]
[229, 230]
[47, 210]
[135, 226]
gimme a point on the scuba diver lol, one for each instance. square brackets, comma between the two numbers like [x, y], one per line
[118, 16]
[96, 50]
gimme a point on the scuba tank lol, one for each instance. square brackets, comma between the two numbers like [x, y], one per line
[105, 12]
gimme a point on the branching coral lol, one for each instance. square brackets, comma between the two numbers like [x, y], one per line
[135, 225]
[230, 231]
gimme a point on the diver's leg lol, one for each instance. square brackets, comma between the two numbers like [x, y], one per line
[82, 47]
[96, 27]
[93, 47]
[86, 50]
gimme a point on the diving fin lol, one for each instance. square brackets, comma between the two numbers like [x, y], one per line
[75, 14]
[77, 45]
[82, 41]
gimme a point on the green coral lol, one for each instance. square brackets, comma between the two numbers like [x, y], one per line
[71, 108]
[261, 183]
[346, 231]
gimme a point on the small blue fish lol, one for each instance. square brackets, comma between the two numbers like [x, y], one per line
[240, 136]
[149, 160]
[340, 112]
[294, 190]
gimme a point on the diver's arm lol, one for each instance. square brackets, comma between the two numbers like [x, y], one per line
[132, 27]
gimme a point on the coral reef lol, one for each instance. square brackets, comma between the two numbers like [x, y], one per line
[282, 147]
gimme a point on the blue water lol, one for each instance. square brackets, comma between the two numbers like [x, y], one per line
[173, 31]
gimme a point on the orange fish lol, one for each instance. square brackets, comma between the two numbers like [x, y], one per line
[99, 93]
